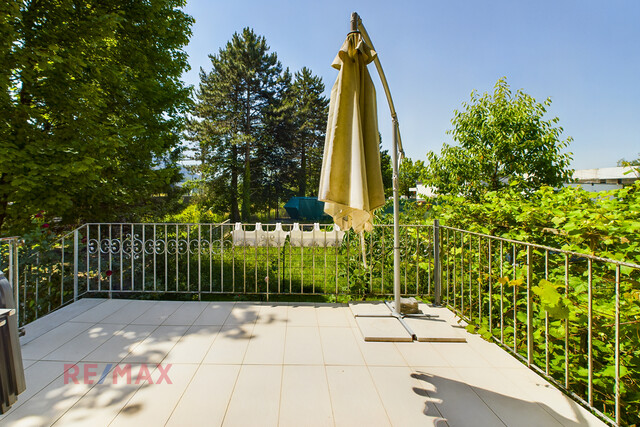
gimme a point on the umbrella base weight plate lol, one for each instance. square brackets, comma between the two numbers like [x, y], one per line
[385, 329]
[378, 322]
[434, 330]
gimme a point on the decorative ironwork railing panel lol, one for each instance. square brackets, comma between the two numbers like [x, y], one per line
[217, 258]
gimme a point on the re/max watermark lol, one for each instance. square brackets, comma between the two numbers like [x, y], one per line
[89, 373]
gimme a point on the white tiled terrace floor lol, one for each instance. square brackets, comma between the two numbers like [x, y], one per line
[261, 364]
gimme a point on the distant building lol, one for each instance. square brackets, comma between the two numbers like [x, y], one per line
[603, 179]
[593, 180]
[423, 192]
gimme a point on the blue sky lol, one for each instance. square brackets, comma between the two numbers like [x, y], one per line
[584, 54]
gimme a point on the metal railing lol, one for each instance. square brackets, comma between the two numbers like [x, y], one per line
[201, 259]
[43, 274]
[567, 315]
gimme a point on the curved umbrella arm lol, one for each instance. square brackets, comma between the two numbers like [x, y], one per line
[357, 25]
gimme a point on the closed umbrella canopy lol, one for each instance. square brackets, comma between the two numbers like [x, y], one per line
[351, 179]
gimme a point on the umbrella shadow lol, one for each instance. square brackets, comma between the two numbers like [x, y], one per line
[460, 403]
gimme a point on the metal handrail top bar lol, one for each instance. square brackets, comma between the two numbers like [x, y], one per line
[204, 224]
[548, 248]
[233, 223]
[404, 225]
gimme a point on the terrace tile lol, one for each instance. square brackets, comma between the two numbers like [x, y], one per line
[186, 314]
[354, 397]
[53, 320]
[129, 312]
[194, 345]
[152, 404]
[300, 386]
[266, 346]
[301, 315]
[157, 314]
[155, 347]
[101, 311]
[203, 403]
[256, 397]
[83, 344]
[120, 344]
[230, 345]
[46, 343]
[303, 346]
[269, 364]
[215, 313]
[339, 347]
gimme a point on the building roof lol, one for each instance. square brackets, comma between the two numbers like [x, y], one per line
[604, 175]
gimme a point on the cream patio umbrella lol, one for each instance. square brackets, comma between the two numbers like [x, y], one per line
[351, 179]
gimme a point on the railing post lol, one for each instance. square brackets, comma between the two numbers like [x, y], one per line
[436, 262]
[75, 264]
[590, 332]
[617, 348]
[14, 272]
[10, 271]
[529, 308]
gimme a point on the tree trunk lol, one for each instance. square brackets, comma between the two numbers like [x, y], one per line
[235, 213]
[246, 182]
[4, 204]
[277, 201]
[302, 187]
[269, 203]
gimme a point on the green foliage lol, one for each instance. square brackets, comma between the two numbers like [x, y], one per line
[551, 300]
[310, 109]
[194, 214]
[634, 166]
[387, 171]
[91, 108]
[502, 140]
[45, 284]
[410, 173]
[603, 224]
[624, 162]
[40, 238]
[230, 116]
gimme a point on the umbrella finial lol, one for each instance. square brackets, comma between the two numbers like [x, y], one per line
[354, 21]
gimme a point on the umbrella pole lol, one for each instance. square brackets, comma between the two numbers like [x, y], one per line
[356, 25]
[396, 221]
[397, 152]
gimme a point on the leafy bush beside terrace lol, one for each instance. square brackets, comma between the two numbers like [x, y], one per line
[606, 224]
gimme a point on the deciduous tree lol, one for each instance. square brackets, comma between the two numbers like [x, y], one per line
[91, 107]
[503, 139]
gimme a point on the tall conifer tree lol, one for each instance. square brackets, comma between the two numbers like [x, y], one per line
[232, 102]
[310, 118]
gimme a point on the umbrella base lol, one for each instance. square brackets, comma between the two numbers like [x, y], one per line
[388, 331]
